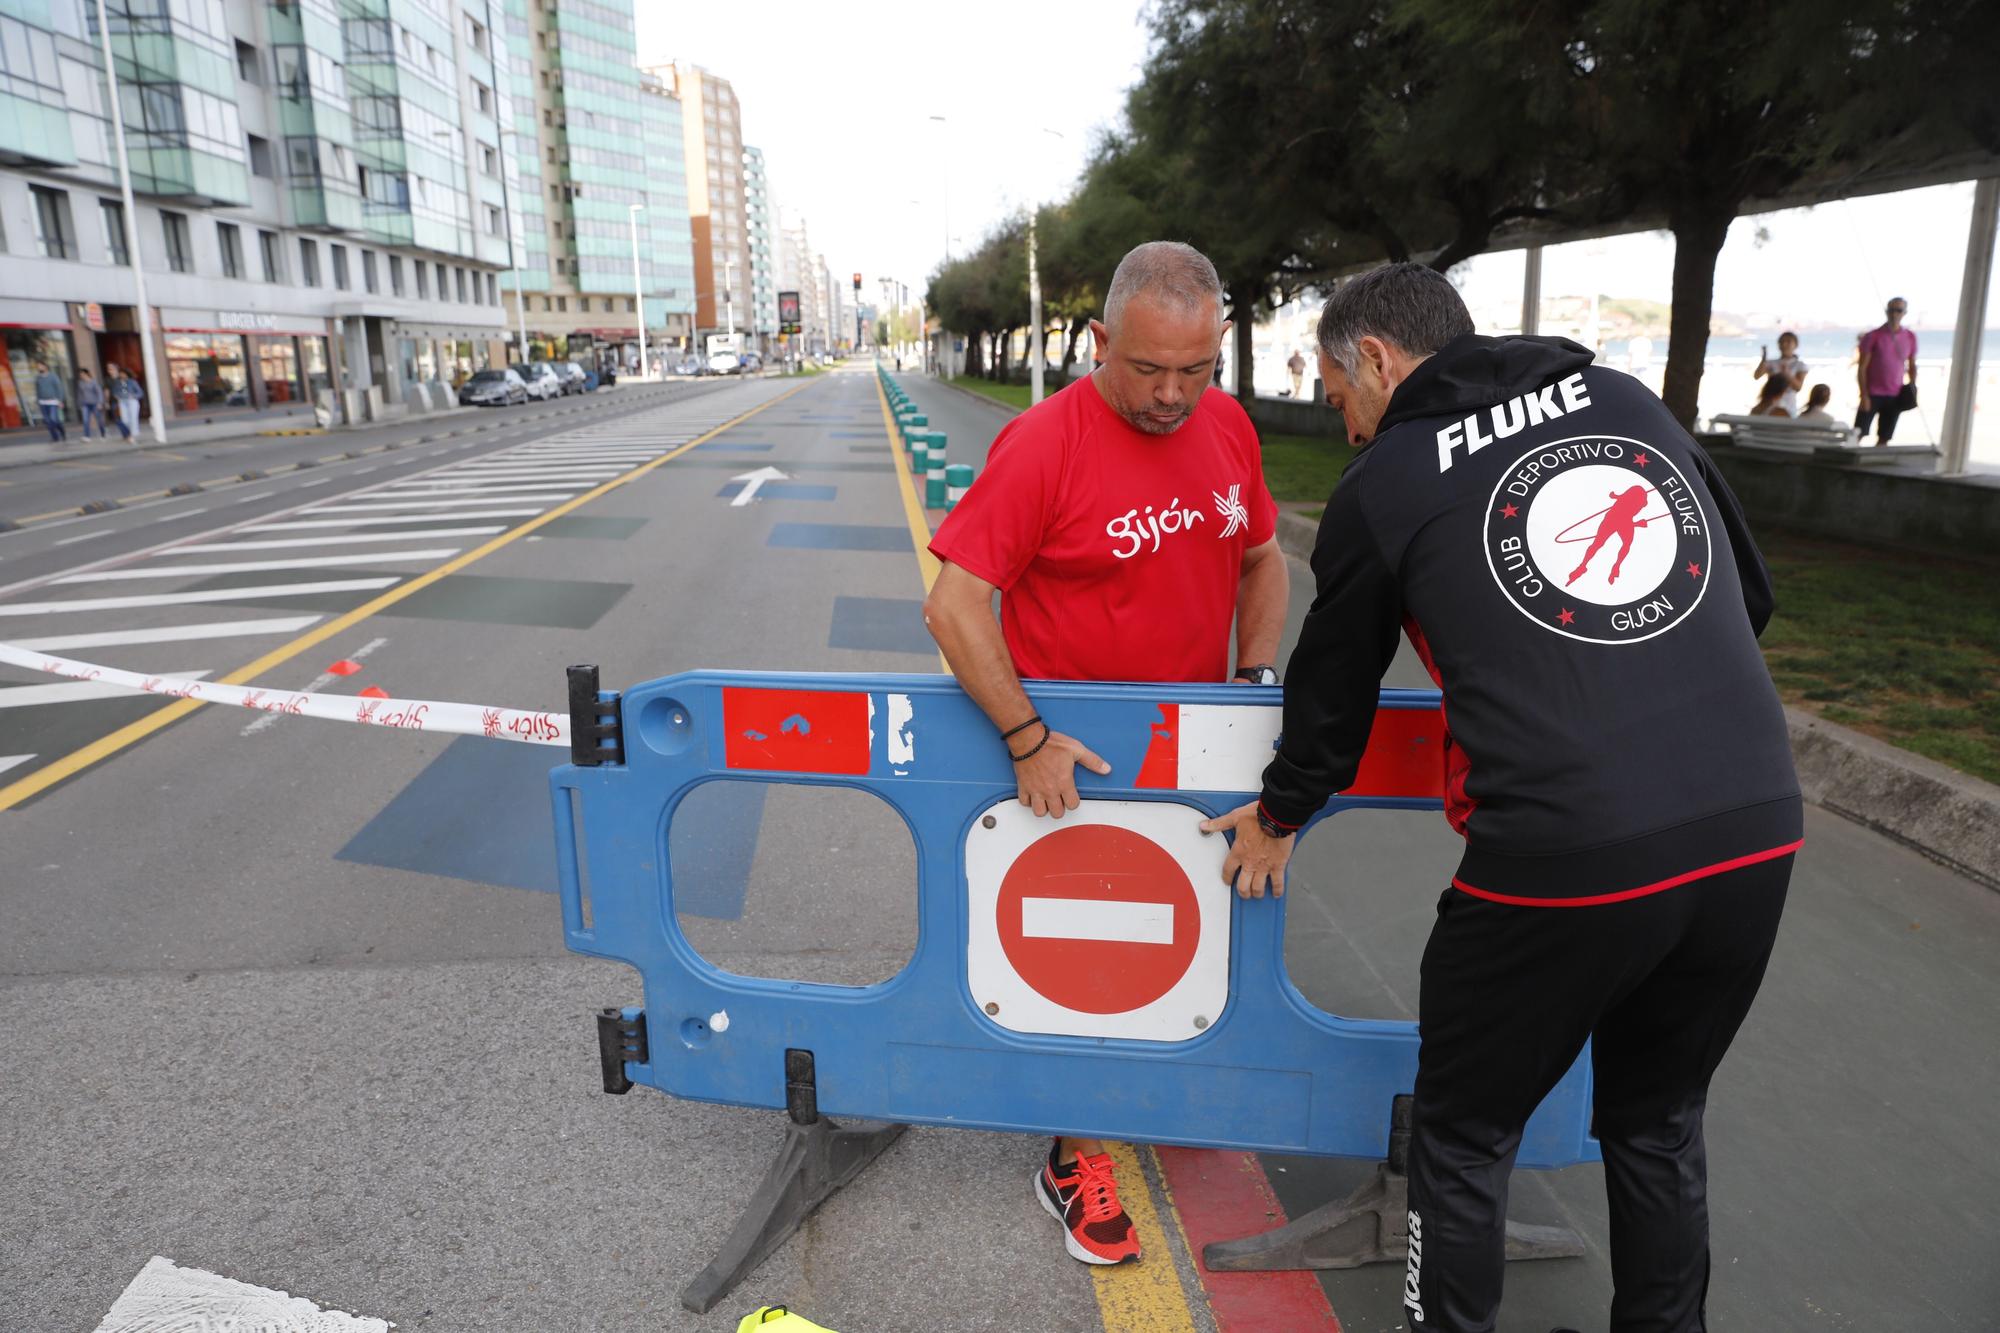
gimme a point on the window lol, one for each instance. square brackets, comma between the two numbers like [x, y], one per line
[53, 232]
[483, 96]
[339, 266]
[229, 239]
[368, 270]
[461, 285]
[116, 248]
[631, 305]
[492, 290]
[478, 33]
[489, 161]
[395, 275]
[423, 280]
[493, 220]
[308, 262]
[552, 154]
[180, 254]
[246, 63]
[444, 284]
[260, 157]
[562, 304]
[273, 252]
[583, 304]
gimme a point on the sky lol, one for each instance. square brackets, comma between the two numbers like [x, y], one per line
[840, 98]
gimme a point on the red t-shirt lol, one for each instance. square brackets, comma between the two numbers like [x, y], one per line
[1117, 553]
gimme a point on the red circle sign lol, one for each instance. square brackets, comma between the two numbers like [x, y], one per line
[1098, 919]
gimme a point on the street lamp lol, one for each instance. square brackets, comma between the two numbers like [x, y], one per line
[632, 211]
[1035, 301]
[132, 246]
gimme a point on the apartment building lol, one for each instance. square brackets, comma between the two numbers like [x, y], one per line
[321, 198]
[717, 216]
[757, 218]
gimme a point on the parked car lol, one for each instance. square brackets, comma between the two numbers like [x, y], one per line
[723, 363]
[691, 364]
[541, 379]
[493, 388]
[751, 364]
[572, 376]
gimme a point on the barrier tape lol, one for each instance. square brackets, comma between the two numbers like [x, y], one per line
[530, 726]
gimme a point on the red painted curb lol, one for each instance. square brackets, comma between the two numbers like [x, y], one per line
[1224, 1196]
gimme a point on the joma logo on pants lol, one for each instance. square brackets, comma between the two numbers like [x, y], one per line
[1413, 1290]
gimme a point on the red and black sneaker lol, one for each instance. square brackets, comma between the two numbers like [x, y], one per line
[1083, 1196]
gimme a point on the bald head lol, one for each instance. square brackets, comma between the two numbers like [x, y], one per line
[1168, 273]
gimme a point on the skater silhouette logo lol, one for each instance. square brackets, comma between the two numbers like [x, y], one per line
[1599, 538]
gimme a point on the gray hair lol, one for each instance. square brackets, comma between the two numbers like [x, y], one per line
[1410, 305]
[1166, 271]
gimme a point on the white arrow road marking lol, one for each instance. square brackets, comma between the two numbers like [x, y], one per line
[8, 761]
[1095, 919]
[751, 482]
[166, 1298]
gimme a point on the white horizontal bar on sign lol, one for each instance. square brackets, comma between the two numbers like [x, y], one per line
[303, 524]
[1097, 919]
[260, 566]
[288, 543]
[190, 598]
[77, 691]
[455, 719]
[216, 629]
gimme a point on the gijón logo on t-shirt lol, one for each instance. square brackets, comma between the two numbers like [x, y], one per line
[1136, 531]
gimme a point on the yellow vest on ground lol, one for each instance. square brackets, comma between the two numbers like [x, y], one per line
[777, 1319]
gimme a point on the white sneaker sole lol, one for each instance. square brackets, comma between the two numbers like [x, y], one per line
[1070, 1242]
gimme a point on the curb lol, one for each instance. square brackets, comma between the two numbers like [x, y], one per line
[977, 397]
[1946, 815]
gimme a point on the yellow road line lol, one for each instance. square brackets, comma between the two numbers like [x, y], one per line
[94, 467]
[105, 746]
[1146, 1297]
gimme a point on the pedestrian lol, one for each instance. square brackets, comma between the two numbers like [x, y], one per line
[128, 393]
[1771, 399]
[1297, 365]
[49, 397]
[1816, 404]
[1887, 373]
[1787, 367]
[1089, 590]
[90, 403]
[1616, 760]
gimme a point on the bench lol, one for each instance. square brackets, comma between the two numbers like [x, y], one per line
[1823, 441]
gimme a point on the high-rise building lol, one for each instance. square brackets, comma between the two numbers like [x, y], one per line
[757, 213]
[321, 199]
[717, 216]
[801, 269]
[602, 172]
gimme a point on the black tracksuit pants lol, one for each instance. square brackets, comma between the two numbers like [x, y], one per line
[1510, 994]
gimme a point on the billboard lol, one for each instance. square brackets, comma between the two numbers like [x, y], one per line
[788, 312]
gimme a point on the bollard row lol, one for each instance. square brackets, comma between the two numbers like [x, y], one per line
[944, 482]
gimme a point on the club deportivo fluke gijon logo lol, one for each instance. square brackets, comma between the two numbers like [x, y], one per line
[1598, 538]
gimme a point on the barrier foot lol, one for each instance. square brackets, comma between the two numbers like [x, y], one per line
[1369, 1226]
[816, 1159]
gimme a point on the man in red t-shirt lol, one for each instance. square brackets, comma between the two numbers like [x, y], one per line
[1125, 524]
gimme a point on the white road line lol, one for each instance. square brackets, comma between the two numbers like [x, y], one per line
[442, 488]
[246, 499]
[262, 590]
[367, 522]
[185, 513]
[551, 498]
[290, 542]
[261, 566]
[316, 481]
[165, 1297]
[71, 541]
[8, 761]
[76, 691]
[214, 629]
[1097, 919]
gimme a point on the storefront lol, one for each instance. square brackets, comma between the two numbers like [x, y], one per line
[428, 353]
[223, 359]
[32, 331]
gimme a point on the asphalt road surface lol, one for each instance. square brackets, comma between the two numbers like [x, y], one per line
[287, 1001]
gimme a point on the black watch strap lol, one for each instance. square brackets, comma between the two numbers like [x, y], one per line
[1263, 673]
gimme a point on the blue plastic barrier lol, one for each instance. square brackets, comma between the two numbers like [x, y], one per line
[960, 1037]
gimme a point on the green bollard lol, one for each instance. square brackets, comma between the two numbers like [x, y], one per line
[934, 470]
[957, 477]
[919, 457]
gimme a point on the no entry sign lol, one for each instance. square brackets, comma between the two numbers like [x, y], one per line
[1111, 922]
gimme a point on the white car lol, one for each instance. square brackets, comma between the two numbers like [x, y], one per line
[541, 379]
[723, 363]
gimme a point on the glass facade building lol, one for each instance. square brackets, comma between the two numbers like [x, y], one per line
[757, 219]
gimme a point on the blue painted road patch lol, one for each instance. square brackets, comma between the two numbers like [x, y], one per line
[838, 537]
[880, 624]
[779, 490]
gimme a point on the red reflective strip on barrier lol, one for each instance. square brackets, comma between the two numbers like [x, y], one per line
[795, 731]
[1405, 755]
[1225, 1196]
[1162, 765]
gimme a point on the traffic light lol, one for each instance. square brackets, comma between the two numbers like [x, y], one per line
[857, 282]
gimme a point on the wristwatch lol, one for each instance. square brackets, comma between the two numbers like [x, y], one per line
[1261, 674]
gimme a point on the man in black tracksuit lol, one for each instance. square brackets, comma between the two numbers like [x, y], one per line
[1581, 585]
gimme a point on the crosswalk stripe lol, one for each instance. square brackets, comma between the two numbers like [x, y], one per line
[448, 486]
[285, 543]
[301, 524]
[192, 598]
[150, 571]
[76, 691]
[435, 504]
[214, 629]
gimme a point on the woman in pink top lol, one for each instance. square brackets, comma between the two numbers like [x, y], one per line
[1888, 354]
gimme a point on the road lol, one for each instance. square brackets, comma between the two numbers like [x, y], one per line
[287, 1000]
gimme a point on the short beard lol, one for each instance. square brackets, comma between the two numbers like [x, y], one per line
[1146, 425]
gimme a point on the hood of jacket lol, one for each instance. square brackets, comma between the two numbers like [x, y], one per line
[1471, 372]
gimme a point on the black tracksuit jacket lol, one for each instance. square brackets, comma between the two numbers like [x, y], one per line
[1580, 583]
